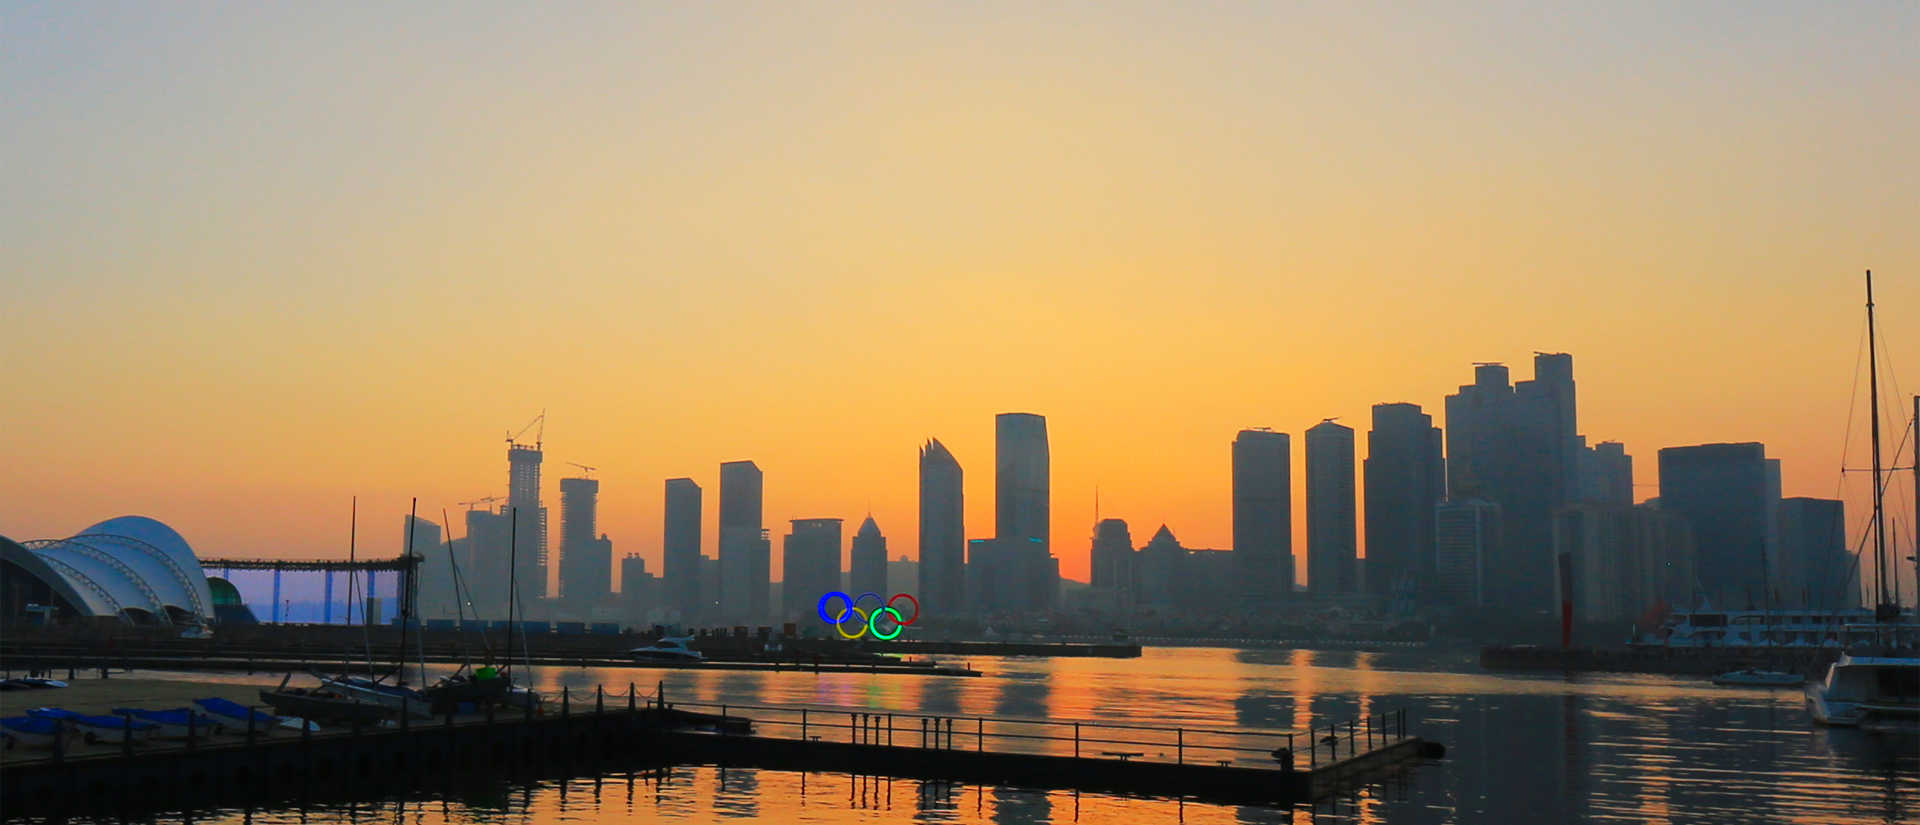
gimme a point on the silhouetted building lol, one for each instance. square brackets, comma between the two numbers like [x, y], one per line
[484, 568]
[1406, 478]
[435, 595]
[1816, 569]
[523, 494]
[1023, 507]
[640, 596]
[1466, 534]
[586, 562]
[1517, 446]
[867, 560]
[943, 532]
[1330, 510]
[1022, 478]
[746, 554]
[1263, 517]
[1730, 494]
[1606, 474]
[903, 576]
[680, 557]
[809, 567]
[1160, 569]
[1113, 557]
[1011, 576]
[1623, 560]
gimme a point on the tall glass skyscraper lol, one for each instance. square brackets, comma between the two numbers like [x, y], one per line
[1263, 516]
[1023, 511]
[1330, 510]
[943, 532]
[810, 566]
[1405, 480]
[680, 562]
[746, 556]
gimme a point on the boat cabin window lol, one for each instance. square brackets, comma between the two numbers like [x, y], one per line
[1901, 683]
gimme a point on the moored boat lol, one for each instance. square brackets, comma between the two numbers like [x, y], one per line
[177, 723]
[99, 728]
[1749, 677]
[1868, 692]
[29, 731]
[668, 649]
[324, 705]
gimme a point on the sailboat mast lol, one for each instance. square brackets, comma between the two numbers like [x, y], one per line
[1879, 490]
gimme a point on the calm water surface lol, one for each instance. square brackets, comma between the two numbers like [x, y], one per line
[1593, 748]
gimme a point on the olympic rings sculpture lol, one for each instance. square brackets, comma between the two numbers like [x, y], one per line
[868, 621]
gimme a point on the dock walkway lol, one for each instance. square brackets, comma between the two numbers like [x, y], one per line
[590, 732]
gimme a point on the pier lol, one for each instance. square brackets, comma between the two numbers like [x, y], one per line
[583, 733]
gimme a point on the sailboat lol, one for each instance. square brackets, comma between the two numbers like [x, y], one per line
[1877, 684]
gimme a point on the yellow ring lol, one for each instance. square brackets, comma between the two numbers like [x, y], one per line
[840, 623]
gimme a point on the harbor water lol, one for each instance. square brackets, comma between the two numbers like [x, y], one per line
[1521, 748]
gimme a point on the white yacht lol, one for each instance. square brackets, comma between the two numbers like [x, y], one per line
[1793, 628]
[1868, 692]
[668, 649]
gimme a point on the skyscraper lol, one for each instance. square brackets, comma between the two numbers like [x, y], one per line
[680, 562]
[435, 569]
[810, 566]
[1113, 557]
[1330, 510]
[523, 495]
[639, 590]
[1159, 569]
[1517, 446]
[1606, 474]
[1263, 516]
[746, 555]
[1466, 534]
[943, 533]
[868, 560]
[586, 561]
[1622, 560]
[1406, 478]
[1729, 493]
[1816, 569]
[1022, 478]
[1023, 509]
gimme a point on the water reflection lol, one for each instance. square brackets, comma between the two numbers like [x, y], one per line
[1521, 748]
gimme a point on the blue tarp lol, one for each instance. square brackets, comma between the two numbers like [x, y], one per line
[29, 724]
[233, 710]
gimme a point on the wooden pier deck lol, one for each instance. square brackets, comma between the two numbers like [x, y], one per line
[601, 731]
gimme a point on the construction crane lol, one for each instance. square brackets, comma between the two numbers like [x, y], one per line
[588, 471]
[513, 438]
[488, 500]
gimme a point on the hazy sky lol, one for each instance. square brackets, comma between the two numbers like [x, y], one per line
[259, 258]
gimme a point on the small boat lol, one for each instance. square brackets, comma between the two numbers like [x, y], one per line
[177, 723]
[1868, 692]
[233, 716]
[31, 683]
[392, 697]
[1750, 677]
[322, 704]
[29, 731]
[668, 649]
[99, 728]
[485, 687]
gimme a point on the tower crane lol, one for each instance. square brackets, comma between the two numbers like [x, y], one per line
[488, 500]
[588, 471]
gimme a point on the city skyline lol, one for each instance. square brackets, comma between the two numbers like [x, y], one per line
[1185, 226]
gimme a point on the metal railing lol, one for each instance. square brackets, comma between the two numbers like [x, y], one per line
[1080, 739]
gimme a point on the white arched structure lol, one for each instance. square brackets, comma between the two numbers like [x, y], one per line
[132, 568]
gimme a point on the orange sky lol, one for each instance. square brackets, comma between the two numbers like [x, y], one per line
[262, 259]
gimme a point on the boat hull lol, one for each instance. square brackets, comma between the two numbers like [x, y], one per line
[324, 708]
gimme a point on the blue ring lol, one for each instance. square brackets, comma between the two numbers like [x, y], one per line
[876, 597]
[823, 605]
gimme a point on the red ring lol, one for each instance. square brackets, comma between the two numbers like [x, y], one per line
[908, 597]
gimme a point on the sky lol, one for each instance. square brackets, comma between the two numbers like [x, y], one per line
[263, 258]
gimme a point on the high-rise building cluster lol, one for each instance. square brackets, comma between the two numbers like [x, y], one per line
[1505, 513]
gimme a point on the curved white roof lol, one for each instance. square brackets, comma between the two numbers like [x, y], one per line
[131, 562]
